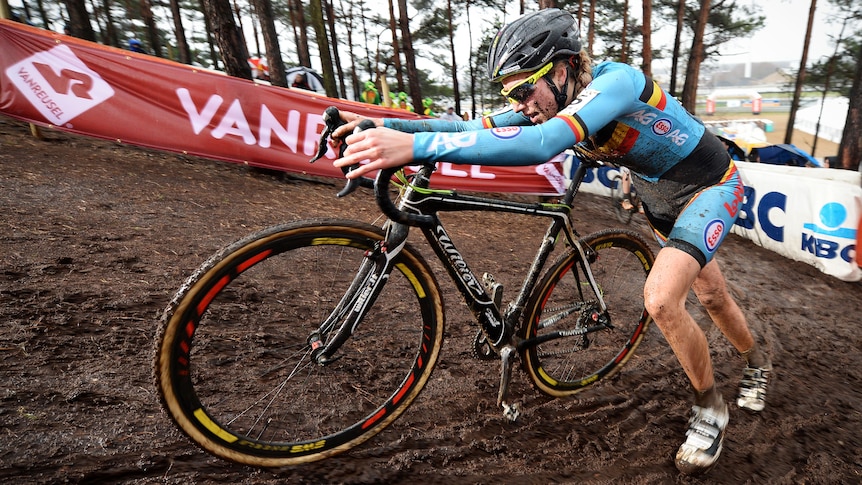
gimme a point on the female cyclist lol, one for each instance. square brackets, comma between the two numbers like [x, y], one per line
[689, 187]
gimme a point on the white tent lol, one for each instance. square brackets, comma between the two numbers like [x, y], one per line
[314, 79]
[834, 114]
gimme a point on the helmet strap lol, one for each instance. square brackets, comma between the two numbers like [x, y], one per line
[560, 97]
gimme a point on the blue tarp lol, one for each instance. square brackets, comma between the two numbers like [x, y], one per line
[786, 154]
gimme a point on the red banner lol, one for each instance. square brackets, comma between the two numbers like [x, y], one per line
[90, 89]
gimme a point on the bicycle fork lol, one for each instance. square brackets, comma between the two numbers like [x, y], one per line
[360, 295]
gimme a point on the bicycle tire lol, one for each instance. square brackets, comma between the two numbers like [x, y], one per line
[564, 300]
[232, 360]
[623, 215]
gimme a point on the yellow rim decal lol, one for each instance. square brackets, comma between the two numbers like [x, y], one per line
[214, 428]
[410, 276]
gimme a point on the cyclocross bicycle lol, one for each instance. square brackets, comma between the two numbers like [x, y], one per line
[306, 339]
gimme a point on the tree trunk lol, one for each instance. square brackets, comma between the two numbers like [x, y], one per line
[410, 58]
[79, 20]
[300, 31]
[456, 90]
[184, 53]
[316, 10]
[239, 29]
[277, 75]
[692, 71]
[152, 30]
[330, 19]
[209, 31]
[472, 66]
[646, 65]
[624, 47]
[850, 149]
[830, 69]
[591, 30]
[111, 36]
[580, 14]
[40, 5]
[354, 76]
[100, 30]
[232, 49]
[396, 51]
[677, 42]
[800, 76]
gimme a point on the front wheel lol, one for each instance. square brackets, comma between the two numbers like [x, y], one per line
[575, 343]
[234, 363]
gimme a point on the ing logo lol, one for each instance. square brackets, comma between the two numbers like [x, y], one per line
[58, 84]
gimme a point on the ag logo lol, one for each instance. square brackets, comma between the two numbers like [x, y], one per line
[58, 84]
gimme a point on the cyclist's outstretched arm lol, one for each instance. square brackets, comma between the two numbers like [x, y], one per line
[505, 117]
[387, 148]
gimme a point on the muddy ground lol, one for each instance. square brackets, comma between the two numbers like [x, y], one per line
[95, 237]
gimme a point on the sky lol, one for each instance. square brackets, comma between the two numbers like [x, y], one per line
[781, 38]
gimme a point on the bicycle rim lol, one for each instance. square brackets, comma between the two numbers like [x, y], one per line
[565, 301]
[233, 362]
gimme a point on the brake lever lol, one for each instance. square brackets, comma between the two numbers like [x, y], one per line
[353, 184]
[332, 120]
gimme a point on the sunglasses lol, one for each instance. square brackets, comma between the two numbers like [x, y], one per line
[522, 91]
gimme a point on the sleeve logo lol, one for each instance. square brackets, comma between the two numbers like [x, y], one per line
[506, 132]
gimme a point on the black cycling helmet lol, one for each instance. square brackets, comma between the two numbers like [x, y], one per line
[531, 41]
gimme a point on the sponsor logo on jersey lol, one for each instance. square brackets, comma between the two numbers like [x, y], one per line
[713, 234]
[662, 126]
[506, 132]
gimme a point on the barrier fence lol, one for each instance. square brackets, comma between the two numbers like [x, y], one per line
[54, 80]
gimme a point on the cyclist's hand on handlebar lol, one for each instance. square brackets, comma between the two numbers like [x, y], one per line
[385, 148]
[351, 121]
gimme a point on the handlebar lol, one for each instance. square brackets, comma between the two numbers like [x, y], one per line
[332, 120]
[380, 184]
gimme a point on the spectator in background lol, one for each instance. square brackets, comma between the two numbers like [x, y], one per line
[369, 94]
[428, 104]
[402, 102]
[450, 115]
[136, 46]
[300, 81]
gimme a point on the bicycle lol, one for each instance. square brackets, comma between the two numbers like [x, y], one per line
[342, 322]
[617, 196]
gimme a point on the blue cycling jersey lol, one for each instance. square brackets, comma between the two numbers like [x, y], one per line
[689, 187]
[632, 121]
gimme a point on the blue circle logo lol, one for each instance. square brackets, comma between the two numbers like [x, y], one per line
[833, 214]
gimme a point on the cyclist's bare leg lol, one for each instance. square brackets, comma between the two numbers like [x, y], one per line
[665, 292]
[627, 190]
[711, 289]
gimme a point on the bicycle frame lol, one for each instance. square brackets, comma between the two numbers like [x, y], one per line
[419, 206]
[498, 326]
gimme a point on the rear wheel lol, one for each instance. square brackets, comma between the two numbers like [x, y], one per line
[592, 344]
[234, 360]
